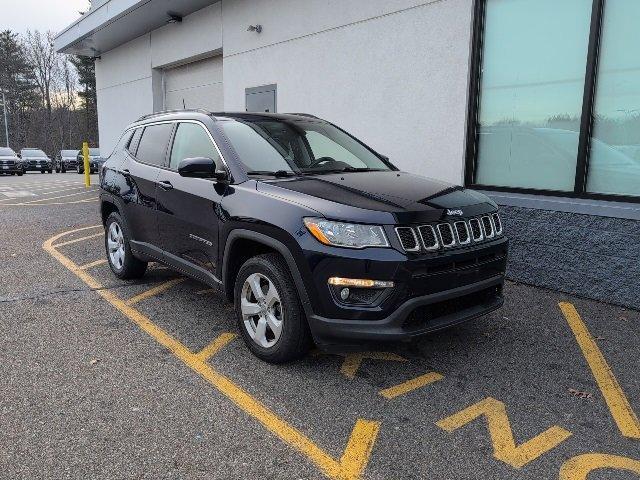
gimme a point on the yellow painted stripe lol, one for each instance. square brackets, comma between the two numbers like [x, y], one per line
[81, 239]
[410, 385]
[205, 291]
[214, 347]
[352, 361]
[155, 290]
[86, 266]
[360, 444]
[618, 404]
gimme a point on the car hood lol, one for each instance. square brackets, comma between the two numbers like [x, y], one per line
[8, 157]
[397, 197]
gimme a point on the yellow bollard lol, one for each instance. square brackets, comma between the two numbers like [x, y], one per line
[87, 165]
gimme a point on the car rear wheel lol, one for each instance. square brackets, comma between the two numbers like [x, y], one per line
[121, 260]
[20, 174]
[268, 311]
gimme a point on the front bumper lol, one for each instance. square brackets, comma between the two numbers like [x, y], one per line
[415, 317]
[39, 167]
[11, 169]
[431, 292]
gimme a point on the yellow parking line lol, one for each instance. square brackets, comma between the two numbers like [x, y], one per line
[410, 385]
[214, 347]
[619, 406]
[81, 239]
[352, 361]
[155, 290]
[86, 266]
[363, 436]
[206, 291]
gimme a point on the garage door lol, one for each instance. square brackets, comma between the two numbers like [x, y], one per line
[194, 85]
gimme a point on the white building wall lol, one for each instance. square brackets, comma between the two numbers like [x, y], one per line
[125, 89]
[392, 72]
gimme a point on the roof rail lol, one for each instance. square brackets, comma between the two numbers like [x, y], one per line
[304, 115]
[163, 112]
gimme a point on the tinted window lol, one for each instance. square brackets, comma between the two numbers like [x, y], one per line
[191, 140]
[135, 141]
[94, 151]
[153, 144]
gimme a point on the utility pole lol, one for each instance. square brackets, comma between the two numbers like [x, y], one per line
[6, 125]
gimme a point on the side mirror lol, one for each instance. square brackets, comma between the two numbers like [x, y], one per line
[201, 167]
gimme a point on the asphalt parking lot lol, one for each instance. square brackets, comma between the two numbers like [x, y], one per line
[102, 378]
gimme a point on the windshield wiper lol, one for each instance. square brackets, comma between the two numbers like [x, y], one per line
[341, 170]
[276, 173]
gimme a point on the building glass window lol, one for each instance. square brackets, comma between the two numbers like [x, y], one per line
[532, 84]
[614, 160]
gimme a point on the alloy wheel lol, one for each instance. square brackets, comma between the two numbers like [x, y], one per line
[262, 311]
[115, 244]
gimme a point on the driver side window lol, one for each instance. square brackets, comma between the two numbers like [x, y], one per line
[191, 140]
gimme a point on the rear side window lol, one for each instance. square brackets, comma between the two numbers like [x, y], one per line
[135, 141]
[153, 144]
[191, 141]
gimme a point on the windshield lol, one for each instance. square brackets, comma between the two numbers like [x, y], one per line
[33, 152]
[7, 152]
[69, 153]
[303, 146]
[94, 152]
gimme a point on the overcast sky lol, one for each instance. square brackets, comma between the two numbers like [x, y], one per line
[43, 15]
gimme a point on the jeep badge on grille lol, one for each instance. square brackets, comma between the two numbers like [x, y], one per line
[454, 212]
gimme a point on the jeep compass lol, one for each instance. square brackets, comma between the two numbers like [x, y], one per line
[313, 235]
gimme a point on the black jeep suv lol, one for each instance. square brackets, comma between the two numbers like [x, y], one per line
[312, 234]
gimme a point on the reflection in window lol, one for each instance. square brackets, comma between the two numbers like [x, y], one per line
[614, 161]
[531, 91]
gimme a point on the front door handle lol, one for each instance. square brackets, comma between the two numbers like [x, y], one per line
[165, 185]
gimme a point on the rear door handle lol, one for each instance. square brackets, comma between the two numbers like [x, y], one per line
[165, 185]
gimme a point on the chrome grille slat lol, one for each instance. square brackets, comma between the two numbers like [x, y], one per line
[408, 239]
[497, 223]
[446, 235]
[487, 227]
[462, 232]
[428, 237]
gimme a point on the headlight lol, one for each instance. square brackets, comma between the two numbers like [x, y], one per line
[350, 235]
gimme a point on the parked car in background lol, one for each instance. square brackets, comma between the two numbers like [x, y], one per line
[95, 161]
[10, 163]
[310, 232]
[66, 160]
[34, 159]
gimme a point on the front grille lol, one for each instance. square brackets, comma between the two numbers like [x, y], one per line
[462, 232]
[448, 235]
[487, 226]
[429, 238]
[476, 230]
[408, 239]
[497, 223]
[7, 163]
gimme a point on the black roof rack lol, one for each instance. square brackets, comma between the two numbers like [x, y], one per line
[304, 115]
[156, 114]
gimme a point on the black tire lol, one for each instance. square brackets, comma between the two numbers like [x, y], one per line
[132, 267]
[20, 174]
[57, 170]
[80, 171]
[13, 173]
[63, 170]
[295, 338]
[50, 171]
[41, 171]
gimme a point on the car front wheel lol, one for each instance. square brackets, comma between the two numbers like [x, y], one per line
[268, 311]
[121, 260]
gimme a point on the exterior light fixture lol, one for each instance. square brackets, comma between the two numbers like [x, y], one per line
[255, 28]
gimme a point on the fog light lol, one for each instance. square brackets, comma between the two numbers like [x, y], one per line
[344, 293]
[359, 282]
